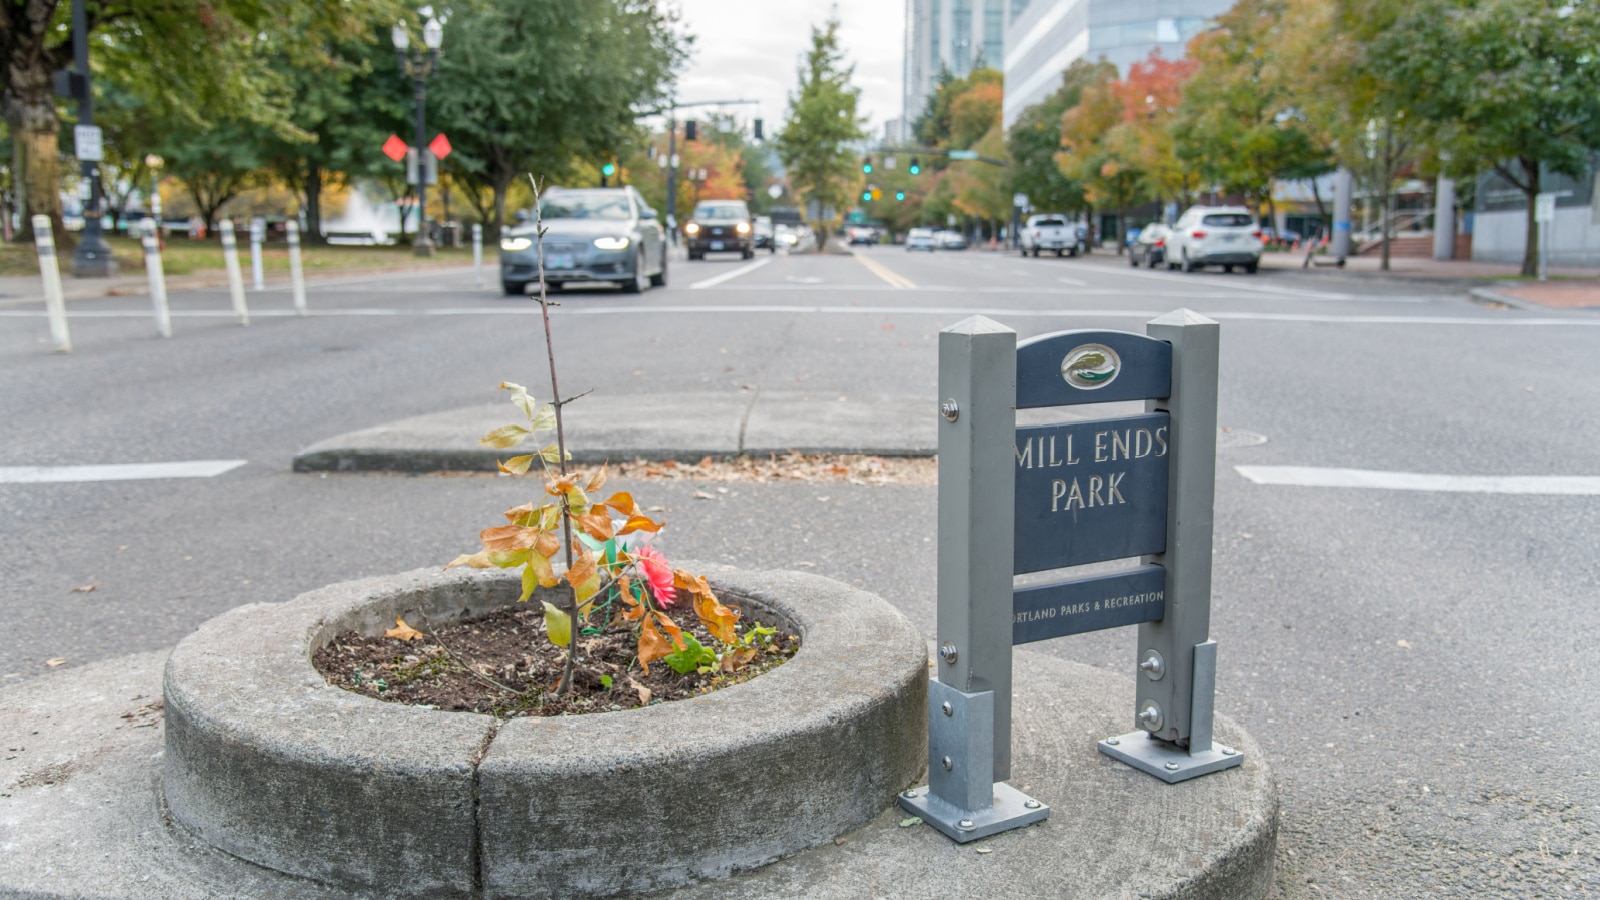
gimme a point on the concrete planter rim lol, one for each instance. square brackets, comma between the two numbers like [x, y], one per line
[255, 735]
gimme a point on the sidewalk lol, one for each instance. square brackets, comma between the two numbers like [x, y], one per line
[23, 290]
[1414, 267]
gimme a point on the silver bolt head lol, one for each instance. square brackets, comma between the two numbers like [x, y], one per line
[950, 410]
[1033, 804]
[948, 709]
[946, 763]
[1228, 751]
[1172, 767]
[947, 652]
[965, 825]
[908, 794]
[1113, 741]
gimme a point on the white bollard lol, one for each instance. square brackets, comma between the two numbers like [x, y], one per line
[477, 255]
[230, 258]
[297, 277]
[158, 277]
[258, 234]
[50, 270]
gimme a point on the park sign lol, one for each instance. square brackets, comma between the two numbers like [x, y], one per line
[1039, 501]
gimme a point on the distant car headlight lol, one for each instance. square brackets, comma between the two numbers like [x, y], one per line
[611, 243]
[513, 244]
[742, 228]
[692, 228]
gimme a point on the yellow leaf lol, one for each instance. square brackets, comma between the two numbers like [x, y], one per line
[530, 580]
[506, 559]
[505, 436]
[577, 501]
[508, 537]
[639, 523]
[597, 482]
[519, 396]
[545, 418]
[479, 560]
[516, 465]
[584, 576]
[558, 625]
[622, 502]
[546, 573]
[549, 517]
[402, 631]
[552, 454]
[521, 515]
[651, 645]
[718, 619]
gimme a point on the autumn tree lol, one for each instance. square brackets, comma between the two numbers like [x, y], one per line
[1035, 139]
[1511, 87]
[1086, 157]
[1143, 140]
[816, 143]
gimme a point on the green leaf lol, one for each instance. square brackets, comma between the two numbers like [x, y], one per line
[505, 436]
[910, 821]
[506, 559]
[692, 657]
[558, 625]
[530, 580]
[545, 418]
[606, 681]
[519, 396]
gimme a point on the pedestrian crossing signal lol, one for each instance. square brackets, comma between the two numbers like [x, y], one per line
[866, 166]
[916, 167]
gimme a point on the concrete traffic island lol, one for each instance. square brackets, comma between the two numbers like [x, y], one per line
[316, 780]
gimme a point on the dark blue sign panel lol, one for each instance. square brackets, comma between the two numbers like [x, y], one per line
[1088, 604]
[1091, 491]
[1071, 367]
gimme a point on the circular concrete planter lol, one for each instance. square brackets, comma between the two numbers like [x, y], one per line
[269, 763]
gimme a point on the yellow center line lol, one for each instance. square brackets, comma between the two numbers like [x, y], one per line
[894, 278]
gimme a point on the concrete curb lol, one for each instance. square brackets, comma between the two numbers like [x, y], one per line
[266, 762]
[683, 427]
[1488, 295]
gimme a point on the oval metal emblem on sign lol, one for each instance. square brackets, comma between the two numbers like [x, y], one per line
[1090, 366]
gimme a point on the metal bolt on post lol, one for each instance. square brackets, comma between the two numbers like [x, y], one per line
[230, 259]
[50, 271]
[297, 275]
[477, 255]
[158, 276]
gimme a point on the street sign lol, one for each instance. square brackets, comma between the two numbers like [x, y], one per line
[963, 154]
[1136, 487]
[440, 146]
[394, 148]
[1020, 201]
[86, 141]
[1544, 208]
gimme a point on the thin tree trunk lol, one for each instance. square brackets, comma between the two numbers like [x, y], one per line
[1530, 255]
[313, 233]
[499, 223]
[36, 163]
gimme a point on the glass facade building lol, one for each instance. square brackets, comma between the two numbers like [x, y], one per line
[954, 35]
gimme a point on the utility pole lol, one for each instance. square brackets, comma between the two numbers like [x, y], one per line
[92, 257]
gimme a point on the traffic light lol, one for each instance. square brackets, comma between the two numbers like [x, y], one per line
[900, 195]
[758, 129]
[866, 196]
[689, 131]
[606, 171]
[866, 166]
[916, 167]
[876, 194]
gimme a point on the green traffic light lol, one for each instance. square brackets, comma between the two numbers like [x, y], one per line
[608, 170]
[900, 195]
[916, 167]
[866, 166]
[866, 196]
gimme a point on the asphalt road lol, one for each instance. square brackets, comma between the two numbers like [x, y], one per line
[1417, 664]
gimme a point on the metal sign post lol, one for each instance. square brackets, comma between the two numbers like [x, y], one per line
[1046, 497]
[1544, 214]
[477, 255]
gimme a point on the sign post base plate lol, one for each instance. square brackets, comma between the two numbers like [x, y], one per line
[1165, 761]
[1012, 809]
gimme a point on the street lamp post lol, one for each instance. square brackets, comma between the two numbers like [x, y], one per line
[419, 66]
[92, 257]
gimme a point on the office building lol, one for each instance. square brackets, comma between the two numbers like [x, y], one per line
[1046, 36]
[954, 35]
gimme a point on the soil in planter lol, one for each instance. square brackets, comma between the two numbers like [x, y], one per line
[500, 663]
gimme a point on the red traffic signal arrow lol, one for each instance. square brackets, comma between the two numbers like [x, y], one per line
[440, 146]
[394, 148]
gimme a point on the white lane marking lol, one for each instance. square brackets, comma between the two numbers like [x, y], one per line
[960, 311]
[1239, 285]
[202, 468]
[1310, 476]
[1065, 280]
[730, 274]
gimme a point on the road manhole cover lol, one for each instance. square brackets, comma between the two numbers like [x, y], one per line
[1231, 438]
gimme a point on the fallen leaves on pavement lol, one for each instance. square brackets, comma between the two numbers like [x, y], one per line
[402, 631]
[803, 467]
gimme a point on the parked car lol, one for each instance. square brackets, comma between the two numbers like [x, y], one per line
[920, 239]
[1224, 236]
[1150, 247]
[951, 240]
[720, 226]
[765, 237]
[1049, 231]
[591, 234]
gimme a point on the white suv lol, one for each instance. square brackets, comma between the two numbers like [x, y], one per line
[1225, 236]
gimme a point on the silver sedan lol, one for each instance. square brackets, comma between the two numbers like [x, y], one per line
[591, 235]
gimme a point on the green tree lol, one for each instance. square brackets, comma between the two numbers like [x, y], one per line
[539, 85]
[816, 141]
[188, 59]
[1512, 87]
[1035, 139]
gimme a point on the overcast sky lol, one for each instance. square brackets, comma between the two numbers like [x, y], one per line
[749, 49]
